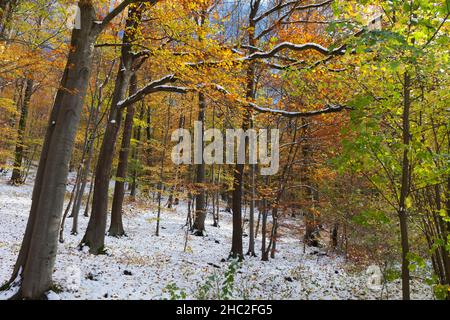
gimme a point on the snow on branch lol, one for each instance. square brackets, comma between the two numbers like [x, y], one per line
[330, 108]
[274, 54]
[160, 86]
[295, 47]
[175, 89]
[152, 87]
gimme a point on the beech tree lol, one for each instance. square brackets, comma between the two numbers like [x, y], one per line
[95, 233]
[37, 255]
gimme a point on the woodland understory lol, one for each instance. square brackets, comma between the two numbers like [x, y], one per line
[171, 266]
[93, 204]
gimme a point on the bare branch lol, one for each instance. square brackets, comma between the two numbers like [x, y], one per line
[299, 114]
[313, 21]
[149, 88]
[276, 8]
[295, 3]
[314, 5]
[330, 108]
[118, 10]
[296, 47]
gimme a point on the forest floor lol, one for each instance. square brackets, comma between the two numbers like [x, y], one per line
[144, 266]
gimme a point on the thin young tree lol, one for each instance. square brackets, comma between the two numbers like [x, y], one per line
[94, 237]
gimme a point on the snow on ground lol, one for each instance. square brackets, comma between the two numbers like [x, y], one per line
[143, 266]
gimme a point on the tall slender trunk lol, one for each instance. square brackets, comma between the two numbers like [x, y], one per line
[443, 234]
[161, 171]
[116, 228]
[405, 188]
[200, 198]
[83, 183]
[89, 148]
[191, 177]
[66, 212]
[173, 199]
[29, 161]
[17, 175]
[216, 213]
[251, 225]
[283, 179]
[94, 237]
[236, 245]
[88, 200]
[134, 155]
[264, 251]
[238, 181]
[81, 169]
[258, 221]
[274, 235]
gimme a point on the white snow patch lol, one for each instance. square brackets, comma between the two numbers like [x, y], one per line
[141, 265]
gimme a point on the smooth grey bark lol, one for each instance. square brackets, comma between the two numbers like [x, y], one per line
[116, 227]
[94, 237]
[39, 246]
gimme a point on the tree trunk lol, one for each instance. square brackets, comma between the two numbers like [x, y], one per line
[216, 213]
[38, 251]
[404, 191]
[251, 225]
[334, 236]
[236, 247]
[274, 234]
[94, 237]
[134, 155]
[89, 148]
[17, 175]
[161, 172]
[264, 252]
[258, 222]
[116, 228]
[200, 201]
[7, 8]
[80, 192]
[66, 212]
[88, 200]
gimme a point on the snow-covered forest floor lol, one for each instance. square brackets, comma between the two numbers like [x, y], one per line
[144, 266]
